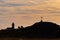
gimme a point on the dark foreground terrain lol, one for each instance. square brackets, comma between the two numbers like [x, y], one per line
[29, 39]
[38, 31]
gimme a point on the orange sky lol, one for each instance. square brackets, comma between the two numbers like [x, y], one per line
[27, 12]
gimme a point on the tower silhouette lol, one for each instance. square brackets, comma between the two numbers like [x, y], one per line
[41, 19]
[13, 25]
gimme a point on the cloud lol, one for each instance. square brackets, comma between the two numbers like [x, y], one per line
[1, 1]
[28, 11]
[22, 2]
[14, 5]
[26, 17]
[32, 6]
[3, 10]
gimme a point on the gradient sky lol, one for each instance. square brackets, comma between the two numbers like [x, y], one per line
[27, 12]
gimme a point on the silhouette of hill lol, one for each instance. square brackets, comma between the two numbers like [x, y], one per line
[37, 30]
[44, 29]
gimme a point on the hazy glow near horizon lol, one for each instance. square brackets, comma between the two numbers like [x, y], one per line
[27, 12]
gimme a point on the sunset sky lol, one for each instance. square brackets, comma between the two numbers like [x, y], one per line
[27, 12]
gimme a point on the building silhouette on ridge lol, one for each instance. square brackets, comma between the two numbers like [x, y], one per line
[13, 25]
